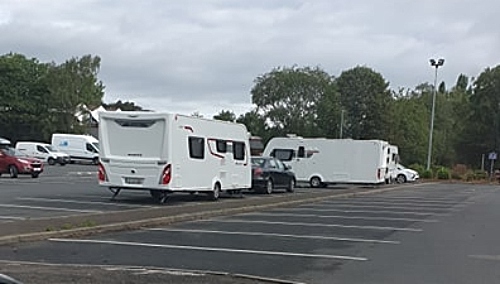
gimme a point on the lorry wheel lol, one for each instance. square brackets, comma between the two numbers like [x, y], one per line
[34, 175]
[215, 194]
[51, 161]
[291, 186]
[13, 171]
[401, 178]
[315, 182]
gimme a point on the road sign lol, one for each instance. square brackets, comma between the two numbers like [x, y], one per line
[492, 156]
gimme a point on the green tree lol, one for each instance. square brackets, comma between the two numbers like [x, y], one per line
[482, 131]
[125, 106]
[365, 96]
[24, 98]
[288, 98]
[72, 84]
[256, 125]
[225, 115]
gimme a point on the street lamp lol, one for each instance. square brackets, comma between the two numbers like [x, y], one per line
[436, 65]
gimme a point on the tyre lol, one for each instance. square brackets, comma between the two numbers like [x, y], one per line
[315, 182]
[401, 178]
[159, 195]
[35, 175]
[269, 187]
[291, 186]
[51, 161]
[13, 171]
[215, 194]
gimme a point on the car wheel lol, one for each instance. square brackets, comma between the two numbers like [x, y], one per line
[51, 161]
[269, 187]
[401, 178]
[315, 182]
[291, 185]
[34, 175]
[13, 171]
[215, 194]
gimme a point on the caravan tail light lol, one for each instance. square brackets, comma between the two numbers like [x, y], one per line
[101, 174]
[166, 176]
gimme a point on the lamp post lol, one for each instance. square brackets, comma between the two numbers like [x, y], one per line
[341, 123]
[436, 65]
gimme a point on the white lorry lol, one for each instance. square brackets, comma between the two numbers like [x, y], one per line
[78, 147]
[321, 161]
[44, 152]
[165, 152]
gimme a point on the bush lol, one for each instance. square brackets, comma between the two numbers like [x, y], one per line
[479, 175]
[459, 170]
[443, 173]
[417, 167]
[456, 175]
[427, 174]
[470, 176]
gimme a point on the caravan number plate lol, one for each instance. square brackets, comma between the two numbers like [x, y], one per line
[130, 180]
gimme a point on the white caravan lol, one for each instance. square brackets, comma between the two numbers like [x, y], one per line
[78, 147]
[44, 152]
[321, 161]
[164, 152]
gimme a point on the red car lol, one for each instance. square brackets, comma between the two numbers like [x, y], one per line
[13, 162]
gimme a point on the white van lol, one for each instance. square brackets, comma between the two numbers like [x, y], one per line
[164, 152]
[78, 147]
[43, 152]
[321, 161]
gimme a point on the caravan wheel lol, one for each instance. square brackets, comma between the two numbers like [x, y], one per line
[160, 195]
[215, 194]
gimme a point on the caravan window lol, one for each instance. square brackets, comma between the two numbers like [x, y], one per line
[221, 146]
[135, 123]
[196, 147]
[283, 154]
[239, 150]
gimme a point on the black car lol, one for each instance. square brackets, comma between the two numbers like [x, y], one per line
[269, 173]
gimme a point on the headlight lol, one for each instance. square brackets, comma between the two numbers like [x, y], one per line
[23, 161]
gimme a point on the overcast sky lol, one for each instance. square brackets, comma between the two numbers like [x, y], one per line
[203, 55]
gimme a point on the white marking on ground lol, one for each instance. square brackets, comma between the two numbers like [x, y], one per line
[212, 249]
[416, 200]
[398, 203]
[313, 225]
[12, 218]
[370, 211]
[346, 239]
[377, 207]
[486, 257]
[81, 202]
[48, 208]
[341, 217]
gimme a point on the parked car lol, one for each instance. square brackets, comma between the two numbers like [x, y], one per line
[404, 174]
[43, 151]
[13, 162]
[4, 143]
[270, 173]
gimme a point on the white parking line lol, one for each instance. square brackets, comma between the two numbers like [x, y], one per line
[81, 202]
[11, 218]
[377, 207]
[341, 217]
[404, 203]
[49, 208]
[312, 225]
[412, 200]
[276, 235]
[275, 253]
[428, 199]
[371, 211]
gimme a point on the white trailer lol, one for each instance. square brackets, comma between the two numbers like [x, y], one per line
[165, 152]
[321, 161]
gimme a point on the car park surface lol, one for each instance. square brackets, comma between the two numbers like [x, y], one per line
[418, 233]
